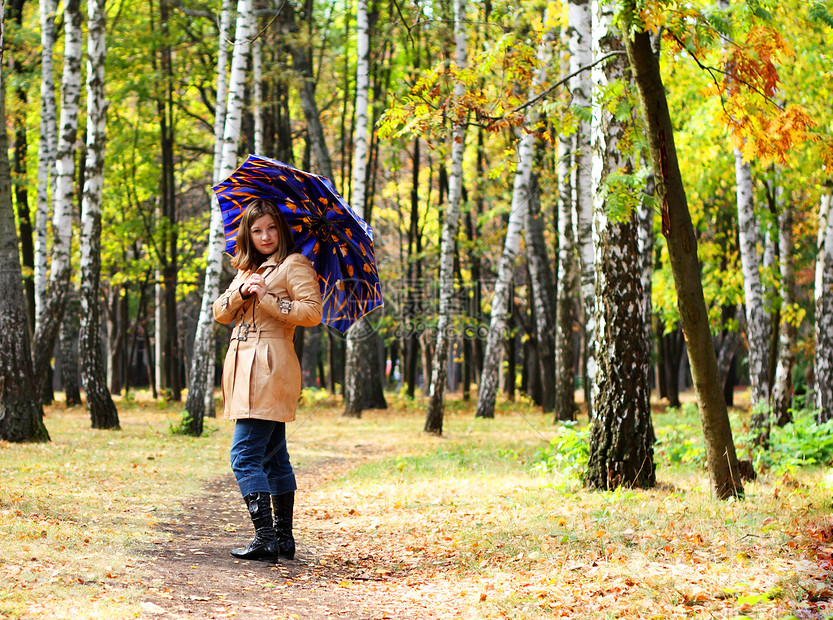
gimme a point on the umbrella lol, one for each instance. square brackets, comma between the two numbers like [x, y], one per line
[326, 230]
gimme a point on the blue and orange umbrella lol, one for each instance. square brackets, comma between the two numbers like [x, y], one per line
[326, 230]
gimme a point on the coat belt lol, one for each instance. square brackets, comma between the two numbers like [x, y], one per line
[244, 331]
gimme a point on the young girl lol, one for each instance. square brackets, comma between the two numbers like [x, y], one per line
[274, 291]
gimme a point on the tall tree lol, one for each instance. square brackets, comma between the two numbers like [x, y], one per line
[165, 108]
[21, 412]
[758, 324]
[823, 360]
[565, 391]
[579, 27]
[621, 449]
[682, 248]
[49, 320]
[543, 293]
[788, 332]
[757, 317]
[46, 151]
[257, 85]
[439, 370]
[19, 147]
[103, 412]
[363, 374]
[501, 300]
[200, 401]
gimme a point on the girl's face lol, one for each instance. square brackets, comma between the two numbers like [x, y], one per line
[264, 234]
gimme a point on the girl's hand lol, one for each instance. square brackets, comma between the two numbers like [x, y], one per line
[256, 284]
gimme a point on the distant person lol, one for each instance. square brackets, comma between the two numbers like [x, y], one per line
[274, 290]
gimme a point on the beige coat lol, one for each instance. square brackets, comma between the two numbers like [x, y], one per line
[261, 373]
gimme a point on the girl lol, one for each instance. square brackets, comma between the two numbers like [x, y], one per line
[274, 290]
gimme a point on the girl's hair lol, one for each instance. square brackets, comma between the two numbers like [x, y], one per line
[246, 257]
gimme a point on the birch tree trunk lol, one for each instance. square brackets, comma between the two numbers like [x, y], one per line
[823, 362]
[565, 401]
[439, 368]
[257, 79]
[363, 374]
[622, 435]
[501, 308]
[103, 412]
[46, 151]
[543, 295]
[359, 188]
[21, 412]
[200, 400]
[55, 300]
[682, 246]
[579, 20]
[757, 318]
[68, 347]
[645, 267]
[788, 334]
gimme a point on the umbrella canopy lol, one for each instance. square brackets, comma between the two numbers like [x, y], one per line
[326, 230]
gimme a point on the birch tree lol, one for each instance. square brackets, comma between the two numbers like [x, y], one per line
[682, 249]
[579, 27]
[200, 401]
[622, 435]
[49, 321]
[227, 121]
[823, 360]
[46, 151]
[439, 369]
[21, 412]
[363, 375]
[757, 318]
[788, 333]
[103, 412]
[257, 86]
[543, 295]
[758, 324]
[501, 300]
[565, 402]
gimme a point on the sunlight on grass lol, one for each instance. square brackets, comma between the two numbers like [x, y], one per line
[469, 523]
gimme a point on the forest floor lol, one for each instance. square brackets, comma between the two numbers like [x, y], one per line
[487, 521]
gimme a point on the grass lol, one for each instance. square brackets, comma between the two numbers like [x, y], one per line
[471, 518]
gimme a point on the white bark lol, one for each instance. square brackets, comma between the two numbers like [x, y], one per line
[455, 185]
[788, 334]
[517, 220]
[65, 157]
[93, 376]
[227, 119]
[823, 218]
[581, 54]
[364, 374]
[537, 255]
[257, 77]
[359, 195]
[621, 442]
[54, 302]
[757, 318]
[823, 363]
[46, 150]
[565, 406]
[236, 89]
[645, 258]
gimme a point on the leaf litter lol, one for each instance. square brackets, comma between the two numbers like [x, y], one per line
[395, 524]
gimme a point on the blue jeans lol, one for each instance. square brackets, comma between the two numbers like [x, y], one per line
[259, 458]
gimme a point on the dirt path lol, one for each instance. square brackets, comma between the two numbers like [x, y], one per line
[335, 573]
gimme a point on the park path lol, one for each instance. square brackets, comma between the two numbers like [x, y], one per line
[335, 574]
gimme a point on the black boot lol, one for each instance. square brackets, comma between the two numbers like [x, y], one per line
[264, 547]
[284, 504]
